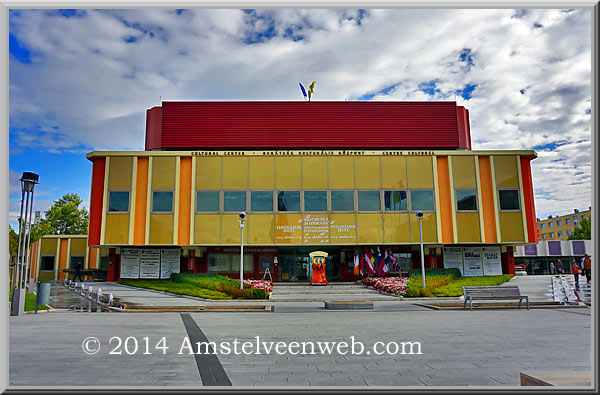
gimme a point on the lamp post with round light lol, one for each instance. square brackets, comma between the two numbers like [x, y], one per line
[419, 215]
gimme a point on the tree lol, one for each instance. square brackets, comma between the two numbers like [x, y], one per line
[65, 217]
[583, 232]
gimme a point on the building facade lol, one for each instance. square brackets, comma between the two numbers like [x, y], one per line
[561, 227]
[537, 257]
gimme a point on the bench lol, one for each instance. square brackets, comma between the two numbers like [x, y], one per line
[493, 293]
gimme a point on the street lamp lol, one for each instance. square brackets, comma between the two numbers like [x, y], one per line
[242, 215]
[28, 181]
[419, 215]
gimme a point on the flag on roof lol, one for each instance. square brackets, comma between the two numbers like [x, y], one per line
[302, 89]
[311, 89]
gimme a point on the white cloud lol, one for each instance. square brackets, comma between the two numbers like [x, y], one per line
[87, 80]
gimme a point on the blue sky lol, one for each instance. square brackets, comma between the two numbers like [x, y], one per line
[81, 80]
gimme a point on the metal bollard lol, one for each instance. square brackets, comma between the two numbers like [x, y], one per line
[110, 299]
[99, 294]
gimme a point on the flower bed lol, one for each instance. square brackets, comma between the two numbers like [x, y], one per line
[390, 285]
[267, 285]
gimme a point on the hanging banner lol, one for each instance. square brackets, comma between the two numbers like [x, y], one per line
[150, 263]
[169, 261]
[453, 258]
[492, 262]
[130, 263]
[472, 261]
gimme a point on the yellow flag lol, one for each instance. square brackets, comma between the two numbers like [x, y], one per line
[311, 89]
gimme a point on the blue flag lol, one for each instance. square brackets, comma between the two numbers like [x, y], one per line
[303, 90]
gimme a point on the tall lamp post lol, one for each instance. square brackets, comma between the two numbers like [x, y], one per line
[28, 181]
[241, 221]
[419, 215]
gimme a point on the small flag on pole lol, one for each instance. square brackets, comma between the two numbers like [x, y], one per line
[303, 90]
[356, 268]
[311, 89]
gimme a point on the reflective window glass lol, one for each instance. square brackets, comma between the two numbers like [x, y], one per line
[261, 201]
[342, 200]
[207, 201]
[421, 200]
[509, 200]
[395, 200]
[288, 201]
[315, 201]
[162, 201]
[369, 201]
[118, 201]
[234, 201]
[466, 200]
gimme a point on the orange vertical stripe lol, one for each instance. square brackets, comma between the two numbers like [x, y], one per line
[93, 253]
[141, 197]
[185, 185]
[487, 197]
[62, 259]
[528, 198]
[445, 199]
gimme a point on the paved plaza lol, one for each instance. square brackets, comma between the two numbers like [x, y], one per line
[459, 348]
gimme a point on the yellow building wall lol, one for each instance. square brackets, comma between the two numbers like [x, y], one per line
[163, 173]
[429, 228]
[230, 229]
[314, 172]
[78, 246]
[341, 172]
[288, 172]
[393, 172]
[463, 170]
[288, 229]
[396, 227]
[507, 175]
[368, 175]
[117, 229]
[262, 172]
[511, 226]
[208, 172]
[467, 226]
[315, 228]
[261, 229]
[420, 172]
[235, 172]
[207, 229]
[369, 227]
[161, 229]
[48, 246]
[119, 172]
[342, 228]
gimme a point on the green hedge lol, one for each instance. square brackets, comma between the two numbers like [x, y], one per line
[455, 288]
[177, 288]
[429, 272]
[447, 282]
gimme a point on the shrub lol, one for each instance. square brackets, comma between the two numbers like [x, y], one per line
[254, 293]
[455, 288]
[437, 271]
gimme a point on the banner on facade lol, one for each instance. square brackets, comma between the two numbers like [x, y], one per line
[150, 263]
[492, 262]
[472, 261]
[130, 263]
[169, 262]
[453, 258]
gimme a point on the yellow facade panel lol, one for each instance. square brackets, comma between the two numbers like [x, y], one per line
[161, 229]
[119, 172]
[163, 172]
[116, 229]
[507, 175]
[78, 246]
[48, 246]
[207, 229]
[262, 172]
[393, 172]
[208, 172]
[420, 172]
[341, 172]
[315, 228]
[429, 228]
[288, 229]
[368, 174]
[288, 172]
[235, 172]
[261, 228]
[314, 172]
[397, 227]
[463, 171]
[369, 228]
[467, 226]
[511, 226]
[230, 229]
[342, 228]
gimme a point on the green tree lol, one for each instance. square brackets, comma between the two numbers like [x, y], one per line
[583, 231]
[65, 217]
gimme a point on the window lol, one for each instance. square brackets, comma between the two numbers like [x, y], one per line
[207, 201]
[421, 200]
[228, 263]
[551, 235]
[315, 201]
[575, 220]
[369, 201]
[162, 201]
[560, 233]
[395, 200]
[103, 262]
[567, 221]
[288, 201]
[509, 199]
[118, 201]
[583, 216]
[261, 201]
[75, 259]
[234, 201]
[544, 236]
[466, 199]
[342, 200]
[569, 232]
[551, 224]
[543, 226]
[47, 263]
[559, 223]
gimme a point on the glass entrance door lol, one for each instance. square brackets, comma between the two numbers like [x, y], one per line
[294, 268]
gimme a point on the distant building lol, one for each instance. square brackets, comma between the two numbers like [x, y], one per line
[561, 227]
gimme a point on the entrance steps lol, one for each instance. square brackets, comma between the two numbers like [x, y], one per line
[305, 292]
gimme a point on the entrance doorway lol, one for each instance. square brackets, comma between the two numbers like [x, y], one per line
[294, 264]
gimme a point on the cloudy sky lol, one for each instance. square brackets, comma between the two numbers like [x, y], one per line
[81, 80]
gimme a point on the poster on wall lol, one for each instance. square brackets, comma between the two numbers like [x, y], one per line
[492, 263]
[453, 258]
[130, 263]
[150, 263]
[472, 261]
[169, 262]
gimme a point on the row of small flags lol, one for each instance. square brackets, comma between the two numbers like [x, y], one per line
[311, 90]
[367, 262]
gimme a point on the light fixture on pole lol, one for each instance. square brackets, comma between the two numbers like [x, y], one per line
[28, 181]
[241, 221]
[419, 215]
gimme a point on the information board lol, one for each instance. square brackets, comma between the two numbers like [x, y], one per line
[492, 262]
[150, 263]
[472, 261]
[169, 261]
[130, 263]
[453, 258]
